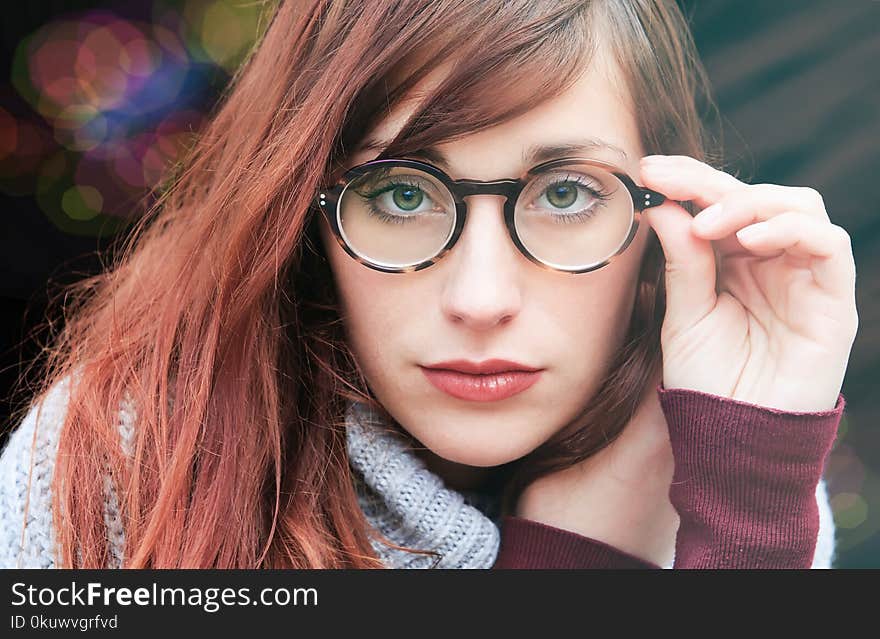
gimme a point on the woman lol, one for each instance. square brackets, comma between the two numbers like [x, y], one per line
[677, 382]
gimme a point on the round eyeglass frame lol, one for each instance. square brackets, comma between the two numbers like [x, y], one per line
[328, 200]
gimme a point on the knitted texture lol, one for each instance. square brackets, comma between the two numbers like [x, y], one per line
[30, 542]
[400, 497]
[410, 505]
[559, 549]
[745, 478]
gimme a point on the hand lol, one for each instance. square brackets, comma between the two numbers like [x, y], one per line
[760, 288]
[766, 320]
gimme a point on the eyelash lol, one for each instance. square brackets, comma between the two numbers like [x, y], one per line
[376, 192]
[601, 196]
[564, 218]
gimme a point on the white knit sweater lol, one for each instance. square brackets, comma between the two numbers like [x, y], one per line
[399, 496]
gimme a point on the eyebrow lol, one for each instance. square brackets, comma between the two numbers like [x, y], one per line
[532, 155]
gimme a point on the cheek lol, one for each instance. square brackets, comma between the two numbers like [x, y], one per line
[348, 274]
[576, 324]
[593, 318]
[595, 314]
[374, 307]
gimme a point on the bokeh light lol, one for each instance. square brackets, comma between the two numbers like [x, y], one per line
[116, 102]
[27, 148]
[854, 492]
[82, 202]
[850, 509]
[8, 133]
[220, 32]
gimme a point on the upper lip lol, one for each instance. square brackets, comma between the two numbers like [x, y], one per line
[484, 367]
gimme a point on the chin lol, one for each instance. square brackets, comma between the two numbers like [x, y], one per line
[481, 456]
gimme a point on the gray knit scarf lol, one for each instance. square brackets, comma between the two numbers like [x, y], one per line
[411, 506]
[400, 497]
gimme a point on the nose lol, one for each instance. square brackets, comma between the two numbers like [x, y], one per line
[484, 268]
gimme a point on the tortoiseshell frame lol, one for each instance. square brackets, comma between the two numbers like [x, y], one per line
[328, 201]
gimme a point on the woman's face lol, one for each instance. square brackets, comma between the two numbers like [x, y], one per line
[485, 300]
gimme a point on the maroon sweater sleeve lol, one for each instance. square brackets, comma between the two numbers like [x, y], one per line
[745, 480]
[532, 544]
[744, 487]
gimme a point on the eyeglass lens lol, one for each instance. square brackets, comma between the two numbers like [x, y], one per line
[570, 216]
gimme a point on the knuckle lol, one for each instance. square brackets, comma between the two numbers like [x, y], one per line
[730, 178]
[759, 191]
[811, 197]
[852, 326]
[738, 193]
[763, 189]
[842, 236]
[791, 220]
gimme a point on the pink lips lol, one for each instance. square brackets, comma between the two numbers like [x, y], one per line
[501, 379]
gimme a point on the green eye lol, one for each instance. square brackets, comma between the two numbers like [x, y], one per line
[562, 194]
[407, 197]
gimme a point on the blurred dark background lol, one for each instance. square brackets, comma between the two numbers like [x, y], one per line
[96, 98]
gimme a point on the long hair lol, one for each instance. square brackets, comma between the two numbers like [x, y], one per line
[221, 296]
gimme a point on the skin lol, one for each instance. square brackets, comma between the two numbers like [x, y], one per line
[760, 280]
[485, 299]
[780, 313]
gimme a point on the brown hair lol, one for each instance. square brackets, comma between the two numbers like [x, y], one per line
[221, 294]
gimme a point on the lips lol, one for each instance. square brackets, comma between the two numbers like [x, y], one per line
[482, 368]
[492, 380]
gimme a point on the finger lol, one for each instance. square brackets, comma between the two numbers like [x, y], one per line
[754, 203]
[827, 247]
[690, 266]
[681, 177]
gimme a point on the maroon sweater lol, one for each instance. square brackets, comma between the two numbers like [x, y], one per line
[744, 487]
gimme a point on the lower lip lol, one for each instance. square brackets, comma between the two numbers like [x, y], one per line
[481, 388]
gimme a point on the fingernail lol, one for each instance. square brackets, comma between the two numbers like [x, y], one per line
[709, 216]
[653, 159]
[754, 232]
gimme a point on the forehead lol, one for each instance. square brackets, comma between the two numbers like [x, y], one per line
[594, 114]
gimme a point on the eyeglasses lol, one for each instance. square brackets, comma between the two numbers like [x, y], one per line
[572, 215]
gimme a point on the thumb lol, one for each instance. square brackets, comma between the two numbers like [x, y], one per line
[690, 265]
